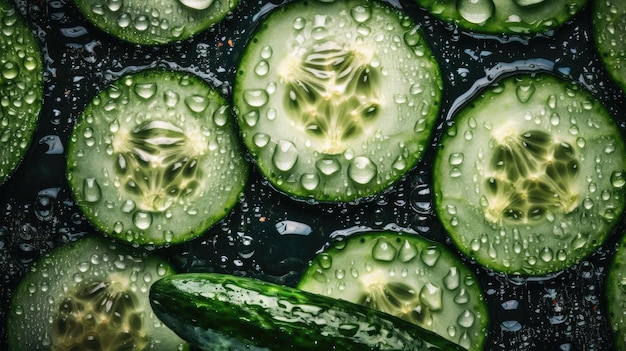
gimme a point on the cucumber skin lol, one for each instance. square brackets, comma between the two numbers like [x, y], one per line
[223, 312]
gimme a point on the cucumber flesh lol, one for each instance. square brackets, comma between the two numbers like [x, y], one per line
[220, 312]
[91, 294]
[148, 153]
[616, 295]
[543, 184]
[336, 100]
[155, 22]
[609, 33]
[407, 276]
[504, 16]
[21, 88]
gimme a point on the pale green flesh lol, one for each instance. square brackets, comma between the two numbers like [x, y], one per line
[91, 294]
[407, 276]
[21, 84]
[155, 22]
[609, 32]
[148, 153]
[336, 100]
[616, 295]
[542, 186]
[505, 16]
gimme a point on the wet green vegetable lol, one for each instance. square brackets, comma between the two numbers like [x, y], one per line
[609, 33]
[91, 294]
[336, 99]
[616, 295]
[407, 276]
[529, 178]
[155, 158]
[505, 16]
[21, 88]
[227, 313]
[155, 22]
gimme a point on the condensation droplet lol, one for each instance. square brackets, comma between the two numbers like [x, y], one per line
[362, 170]
[285, 155]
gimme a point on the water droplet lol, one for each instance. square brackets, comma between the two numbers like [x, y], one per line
[525, 91]
[348, 329]
[128, 206]
[285, 155]
[266, 52]
[362, 170]
[430, 256]
[262, 68]
[10, 70]
[221, 116]
[383, 250]
[476, 11]
[142, 22]
[197, 4]
[261, 139]
[299, 23]
[91, 190]
[325, 260]
[255, 97]
[618, 179]
[114, 5]
[456, 158]
[142, 220]
[309, 181]
[528, 2]
[328, 166]
[251, 118]
[466, 319]
[171, 98]
[407, 251]
[118, 227]
[432, 296]
[452, 280]
[145, 90]
[197, 103]
[361, 13]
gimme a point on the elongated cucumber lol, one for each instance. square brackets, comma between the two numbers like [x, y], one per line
[223, 312]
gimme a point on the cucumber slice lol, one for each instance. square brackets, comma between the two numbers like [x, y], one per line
[609, 34]
[91, 294]
[530, 176]
[616, 295]
[504, 16]
[21, 88]
[220, 312]
[336, 100]
[155, 22]
[155, 158]
[407, 276]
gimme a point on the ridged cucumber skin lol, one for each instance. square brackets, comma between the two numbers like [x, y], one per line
[224, 312]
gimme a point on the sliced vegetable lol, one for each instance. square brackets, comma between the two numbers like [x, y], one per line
[530, 176]
[336, 99]
[21, 88]
[407, 276]
[155, 22]
[504, 16]
[156, 159]
[91, 294]
[616, 295]
[226, 313]
[609, 34]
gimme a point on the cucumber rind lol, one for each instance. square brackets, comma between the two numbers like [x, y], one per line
[568, 229]
[616, 294]
[90, 260]
[410, 269]
[175, 137]
[292, 123]
[504, 16]
[610, 37]
[21, 88]
[135, 21]
[262, 316]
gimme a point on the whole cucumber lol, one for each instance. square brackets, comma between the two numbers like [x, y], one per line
[223, 312]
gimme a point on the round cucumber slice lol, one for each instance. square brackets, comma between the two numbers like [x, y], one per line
[154, 22]
[609, 33]
[407, 276]
[21, 88]
[616, 295]
[91, 294]
[530, 176]
[504, 16]
[336, 100]
[155, 158]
